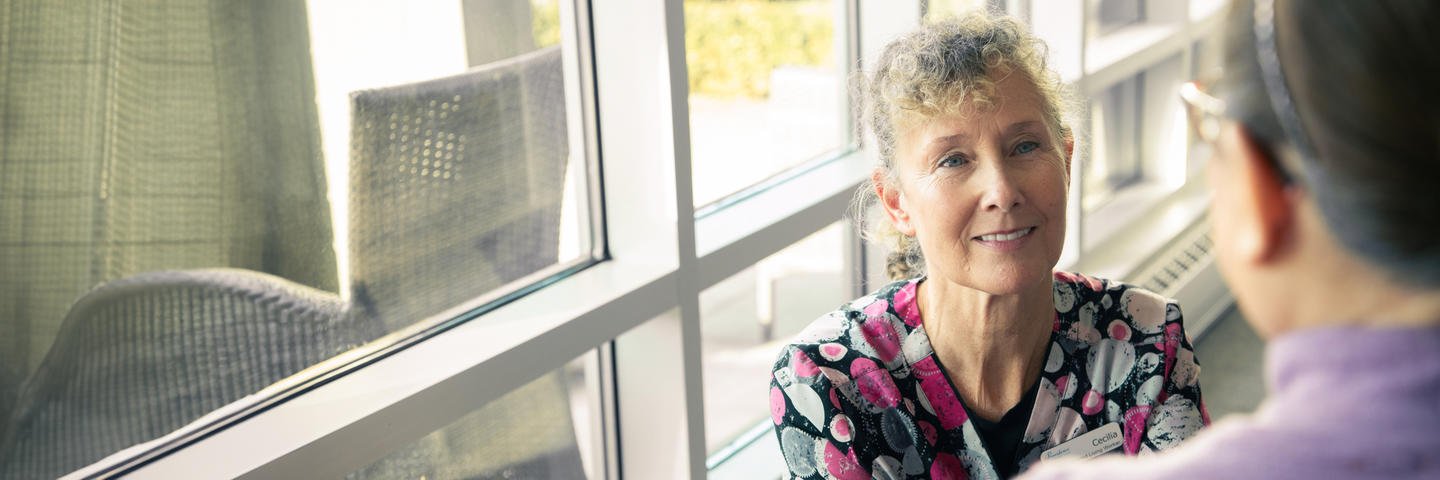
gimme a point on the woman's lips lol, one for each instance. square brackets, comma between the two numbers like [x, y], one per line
[1006, 241]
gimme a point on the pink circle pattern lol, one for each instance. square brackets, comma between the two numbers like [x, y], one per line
[883, 362]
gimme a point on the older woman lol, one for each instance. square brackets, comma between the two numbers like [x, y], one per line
[1327, 228]
[980, 358]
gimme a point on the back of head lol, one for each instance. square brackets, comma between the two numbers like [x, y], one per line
[1363, 78]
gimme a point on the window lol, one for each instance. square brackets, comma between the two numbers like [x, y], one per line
[1138, 150]
[623, 343]
[940, 9]
[1125, 59]
[448, 141]
[1110, 15]
[1115, 142]
[543, 430]
[744, 321]
[208, 207]
[767, 89]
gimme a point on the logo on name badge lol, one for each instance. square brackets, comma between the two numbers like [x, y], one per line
[1093, 443]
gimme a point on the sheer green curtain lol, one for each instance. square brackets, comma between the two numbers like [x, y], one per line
[148, 135]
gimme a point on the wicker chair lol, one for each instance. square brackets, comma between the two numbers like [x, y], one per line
[455, 185]
[455, 190]
[157, 139]
[140, 357]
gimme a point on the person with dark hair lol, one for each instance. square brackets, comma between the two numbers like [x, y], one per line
[1326, 217]
[979, 358]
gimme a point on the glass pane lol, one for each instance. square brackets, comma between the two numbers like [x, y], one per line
[1109, 15]
[1115, 142]
[767, 89]
[940, 9]
[460, 176]
[539, 431]
[746, 318]
[199, 199]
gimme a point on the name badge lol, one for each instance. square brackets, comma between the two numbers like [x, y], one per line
[1092, 443]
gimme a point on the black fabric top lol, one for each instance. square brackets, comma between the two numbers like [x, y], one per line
[1002, 438]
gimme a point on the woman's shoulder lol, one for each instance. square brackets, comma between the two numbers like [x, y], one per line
[872, 327]
[1091, 309]
[895, 298]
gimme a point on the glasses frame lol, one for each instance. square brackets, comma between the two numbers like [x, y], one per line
[1204, 111]
[1206, 114]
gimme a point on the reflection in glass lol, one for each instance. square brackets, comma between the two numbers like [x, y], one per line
[538, 431]
[193, 206]
[766, 89]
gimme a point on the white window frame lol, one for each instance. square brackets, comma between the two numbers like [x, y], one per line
[640, 306]
[1116, 239]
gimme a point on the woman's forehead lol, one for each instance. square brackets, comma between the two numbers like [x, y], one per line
[1013, 100]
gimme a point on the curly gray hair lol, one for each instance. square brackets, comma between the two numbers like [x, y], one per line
[933, 71]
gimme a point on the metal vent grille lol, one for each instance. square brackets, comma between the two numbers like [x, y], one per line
[1177, 264]
[1186, 272]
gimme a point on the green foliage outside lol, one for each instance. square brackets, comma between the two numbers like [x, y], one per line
[545, 22]
[731, 46]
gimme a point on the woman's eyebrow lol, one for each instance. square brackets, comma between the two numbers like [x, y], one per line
[946, 140]
[1021, 126]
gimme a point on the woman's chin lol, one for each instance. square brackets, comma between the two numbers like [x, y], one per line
[1005, 281]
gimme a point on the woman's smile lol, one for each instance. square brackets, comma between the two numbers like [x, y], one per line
[1005, 240]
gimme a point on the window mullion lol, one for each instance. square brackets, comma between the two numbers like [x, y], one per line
[645, 154]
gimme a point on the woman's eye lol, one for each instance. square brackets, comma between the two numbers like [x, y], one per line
[1026, 147]
[953, 160]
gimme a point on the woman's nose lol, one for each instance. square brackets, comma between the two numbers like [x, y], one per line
[1000, 192]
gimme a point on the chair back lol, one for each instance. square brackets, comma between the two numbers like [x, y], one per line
[455, 185]
[140, 357]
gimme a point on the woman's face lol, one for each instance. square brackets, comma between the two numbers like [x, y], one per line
[984, 192]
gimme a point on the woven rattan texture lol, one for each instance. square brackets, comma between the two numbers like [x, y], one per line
[145, 355]
[141, 136]
[456, 185]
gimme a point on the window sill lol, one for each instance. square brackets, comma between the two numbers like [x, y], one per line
[737, 236]
[1128, 51]
[1140, 222]
[402, 396]
[1124, 207]
[1207, 10]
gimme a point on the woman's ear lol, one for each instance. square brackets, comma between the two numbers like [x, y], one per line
[1069, 156]
[891, 200]
[1262, 204]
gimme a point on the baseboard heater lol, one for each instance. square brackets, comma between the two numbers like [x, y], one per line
[1185, 270]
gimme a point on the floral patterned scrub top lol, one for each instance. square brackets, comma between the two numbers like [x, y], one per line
[859, 394]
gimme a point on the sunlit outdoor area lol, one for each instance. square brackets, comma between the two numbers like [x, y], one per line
[767, 89]
[767, 93]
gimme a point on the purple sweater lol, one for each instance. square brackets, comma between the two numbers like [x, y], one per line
[1353, 403]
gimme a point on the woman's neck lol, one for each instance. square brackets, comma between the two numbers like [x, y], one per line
[991, 346]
